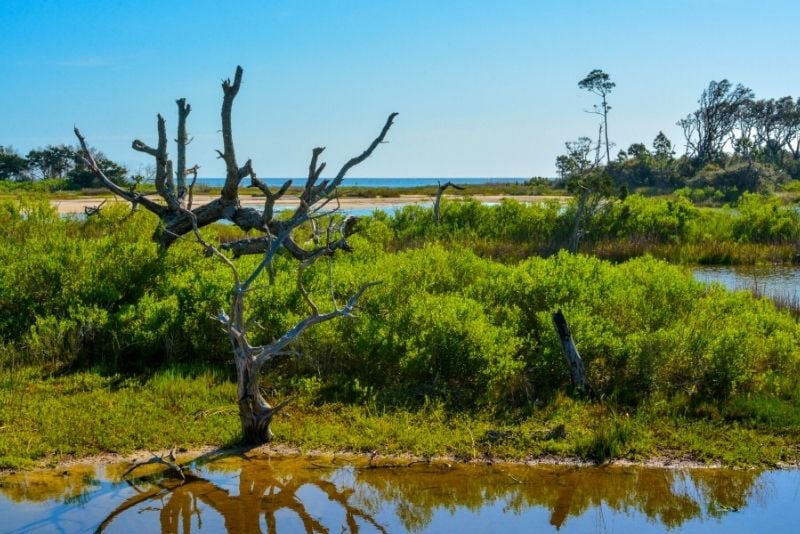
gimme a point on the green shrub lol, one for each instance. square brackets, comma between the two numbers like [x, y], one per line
[765, 220]
[653, 220]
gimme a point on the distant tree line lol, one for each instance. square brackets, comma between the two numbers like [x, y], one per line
[59, 162]
[734, 143]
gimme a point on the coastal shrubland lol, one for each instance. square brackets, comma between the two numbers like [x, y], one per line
[755, 229]
[95, 318]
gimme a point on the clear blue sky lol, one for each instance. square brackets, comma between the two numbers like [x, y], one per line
[483, 88]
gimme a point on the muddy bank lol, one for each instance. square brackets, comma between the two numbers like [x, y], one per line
[375, 458]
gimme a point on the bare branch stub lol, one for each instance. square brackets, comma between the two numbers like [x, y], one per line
[132, 197]
[182, 140]
[574, 360]
[163, 178]
[438, 201]
[271, 198]
[91, 211]
[233, 175]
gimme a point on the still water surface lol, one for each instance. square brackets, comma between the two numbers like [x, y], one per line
[777, 281]
[240, 494]
[402, 183]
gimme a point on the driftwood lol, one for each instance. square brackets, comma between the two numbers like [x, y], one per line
[438, 201]
[574, 361]
[167, 459]
[91, 211]
[179, 218]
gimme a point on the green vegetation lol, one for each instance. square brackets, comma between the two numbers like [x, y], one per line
[47, 419]
[756, 229]
[61, 166]
[88, 412]
[109, 345]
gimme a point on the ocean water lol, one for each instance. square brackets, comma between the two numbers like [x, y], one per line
[378, 182]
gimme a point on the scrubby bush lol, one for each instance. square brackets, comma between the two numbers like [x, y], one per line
[764, 219]
[656, 220]
[532, 228]
[753, 177]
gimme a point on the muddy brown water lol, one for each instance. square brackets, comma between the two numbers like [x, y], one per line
[258, 494]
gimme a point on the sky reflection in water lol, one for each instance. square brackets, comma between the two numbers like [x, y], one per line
[241, 494]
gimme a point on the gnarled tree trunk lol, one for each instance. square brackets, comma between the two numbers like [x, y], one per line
[255, 413]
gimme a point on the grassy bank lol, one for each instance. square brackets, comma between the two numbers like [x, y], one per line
[44, 420]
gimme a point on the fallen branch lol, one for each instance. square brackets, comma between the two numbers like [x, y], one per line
[167, 459]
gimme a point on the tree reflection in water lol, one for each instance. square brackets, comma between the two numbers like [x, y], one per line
[265, 489]
[322, 497]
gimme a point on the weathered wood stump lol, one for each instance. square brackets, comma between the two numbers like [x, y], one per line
[574, 360]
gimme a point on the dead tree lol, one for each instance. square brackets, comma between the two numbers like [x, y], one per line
[437, 203]
[179, 218]
[91, 211]
[593, 190]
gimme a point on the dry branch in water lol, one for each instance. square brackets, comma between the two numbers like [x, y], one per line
[167, 459]
[179, 218]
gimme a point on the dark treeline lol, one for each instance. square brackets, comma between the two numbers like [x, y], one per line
[57, 167]
[734, 143]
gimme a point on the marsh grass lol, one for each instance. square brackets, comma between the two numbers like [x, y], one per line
[787, 301]
[44, 420]
[85, 413]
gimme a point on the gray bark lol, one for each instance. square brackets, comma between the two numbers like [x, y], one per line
[178, 219]
[574, 361]
[438, 201]
[580, 211]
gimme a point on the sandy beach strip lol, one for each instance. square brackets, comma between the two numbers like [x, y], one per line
[77, 205]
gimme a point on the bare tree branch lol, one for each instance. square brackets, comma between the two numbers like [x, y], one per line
[183, 112]
[233, 176]
[193, 172]
[437, 203]
[134, 198]
[166, 459]
[267, 352]
[364, 155]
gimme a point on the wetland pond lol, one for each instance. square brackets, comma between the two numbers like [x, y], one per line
[776, 281]
[261, 494]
